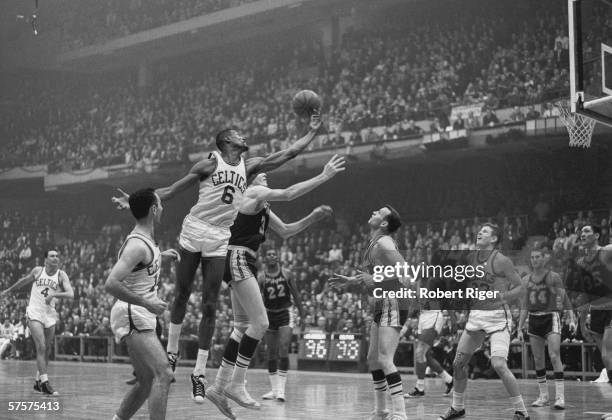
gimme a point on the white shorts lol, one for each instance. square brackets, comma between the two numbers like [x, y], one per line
[199, 236]
[46, 316]
[430, 320]
[497, 324]
[126, 318]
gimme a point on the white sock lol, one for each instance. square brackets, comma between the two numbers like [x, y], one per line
[447, 378]
[273, 381]
[200, 367]
[458, 401]
[174, 332]
[559, 388]
[420, 384]
[37, 375]
[44, 378]
[224, 374]
[281, 381]
[518, 404]
[543, 386]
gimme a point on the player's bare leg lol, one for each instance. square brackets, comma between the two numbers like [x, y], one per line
[271, 339]
[284, 339]
[468, 343]
[420, 369]
[39, 335]
[378, 377]
[247, 293]
[388, 339]
[538, 350]
[185, 273]
[154, 377]
[554, 351]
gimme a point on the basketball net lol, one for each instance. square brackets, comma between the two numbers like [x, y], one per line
[579, 127]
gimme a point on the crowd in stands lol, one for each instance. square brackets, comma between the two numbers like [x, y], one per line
[415, 67]
[93, 22]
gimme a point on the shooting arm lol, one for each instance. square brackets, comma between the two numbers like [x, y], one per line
[274, 160]
[130, 257]
[262, 193]
[297, 298]
[200, 170]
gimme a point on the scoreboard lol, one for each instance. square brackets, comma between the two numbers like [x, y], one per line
[337, 351]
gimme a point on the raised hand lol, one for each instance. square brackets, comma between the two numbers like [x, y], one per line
[315, 122]
[334, 166]
[122, 201]
[322, 212]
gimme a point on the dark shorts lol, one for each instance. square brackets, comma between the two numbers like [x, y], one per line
[279, 319]
[544, 324]
[600, 320]
[239, 264]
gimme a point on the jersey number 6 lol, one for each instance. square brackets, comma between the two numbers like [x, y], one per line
[228, 196]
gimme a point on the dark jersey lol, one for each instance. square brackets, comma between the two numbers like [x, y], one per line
[540, 297]
[249, 230]
[596, 278]
[275, 290]
[491, 281]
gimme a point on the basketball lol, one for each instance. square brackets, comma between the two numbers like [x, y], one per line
[305, 102]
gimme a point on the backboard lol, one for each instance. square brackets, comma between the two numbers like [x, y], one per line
[590, 58]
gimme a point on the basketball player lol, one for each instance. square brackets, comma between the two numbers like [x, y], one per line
[544, 293]
[49, 283]
[278, 287]
[489, 317]
[596, 267]
[203, 239]
[133, 282]
[429, 328]
[250, 320]
[390, 314]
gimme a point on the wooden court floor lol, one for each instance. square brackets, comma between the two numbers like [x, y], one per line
[94, 390]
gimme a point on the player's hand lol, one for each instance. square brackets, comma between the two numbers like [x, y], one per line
[335, 165]
[339, 282]
[520, 335]
[322, 212]
[156, 306]
[121, 202]
[315, 122]
[4, 293]
[365, 278]
[49, 299]
[173, 254]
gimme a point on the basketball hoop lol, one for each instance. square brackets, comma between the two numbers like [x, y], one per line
[579, 127]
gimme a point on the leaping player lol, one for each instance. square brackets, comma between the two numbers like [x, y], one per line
[250, 319]
[205, 232]
[544, 292]
[489, 317]
[49, 283]
[133, 280]
[278, 287]
[390, 314]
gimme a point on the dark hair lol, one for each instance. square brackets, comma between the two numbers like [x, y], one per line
[222, 136]
[393, 220]
[496, 231]
[49, 250]
[596, 229]
[141, 201]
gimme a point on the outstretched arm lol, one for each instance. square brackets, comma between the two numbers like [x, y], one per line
[286, 230]
[274, 160]
[261, 193]
[24, 280]
[198, 172]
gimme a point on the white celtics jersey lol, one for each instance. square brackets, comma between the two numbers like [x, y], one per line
[221, 193]
[143, 279]
[42, 287]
